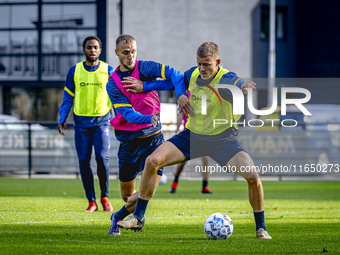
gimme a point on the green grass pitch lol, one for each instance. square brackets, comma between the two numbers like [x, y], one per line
[43, 216]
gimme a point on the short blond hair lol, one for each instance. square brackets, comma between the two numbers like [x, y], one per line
[208, 49]
[124, 39]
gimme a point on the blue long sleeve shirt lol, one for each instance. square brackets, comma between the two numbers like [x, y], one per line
[228, 78]
[148, 71]
[68, 97]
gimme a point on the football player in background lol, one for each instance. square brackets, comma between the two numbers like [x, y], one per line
[85, 89]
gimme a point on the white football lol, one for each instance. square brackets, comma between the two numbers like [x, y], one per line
[218, 226]
[163, 179]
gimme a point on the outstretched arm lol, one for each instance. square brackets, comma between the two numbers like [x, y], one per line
[232, 78]
[149, 70]
[176, 77]
[137, 86]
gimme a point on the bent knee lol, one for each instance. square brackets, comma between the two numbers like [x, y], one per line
[152, 163]
[125, 196]
[253, 180]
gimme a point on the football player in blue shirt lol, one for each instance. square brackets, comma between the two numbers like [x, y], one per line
[136, 123]
[203, 138]
[85, 88]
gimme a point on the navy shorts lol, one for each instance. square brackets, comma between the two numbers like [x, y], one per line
[132, 155]
[221, 147]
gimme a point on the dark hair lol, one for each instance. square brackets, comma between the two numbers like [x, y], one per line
[92, 37]
[208, 49]
[124, 39]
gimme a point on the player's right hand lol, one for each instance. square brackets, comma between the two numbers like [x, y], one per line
[154, 119]
[185, 106]
[60, 126]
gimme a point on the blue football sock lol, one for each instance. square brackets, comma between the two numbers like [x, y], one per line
[259, 220]
[122, 213]
[141, 208]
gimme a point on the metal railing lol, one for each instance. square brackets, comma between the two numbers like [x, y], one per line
[35, 148]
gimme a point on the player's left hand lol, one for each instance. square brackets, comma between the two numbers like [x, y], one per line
[185, 106]
[154, 119]
[246, 85]
[132, 85]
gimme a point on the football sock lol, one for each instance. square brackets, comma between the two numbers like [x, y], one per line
[205, 184]
[176, 178]
[259, 220]
[122, 213]
[141, 208]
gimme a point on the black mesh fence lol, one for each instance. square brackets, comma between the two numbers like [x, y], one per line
[31, 148]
